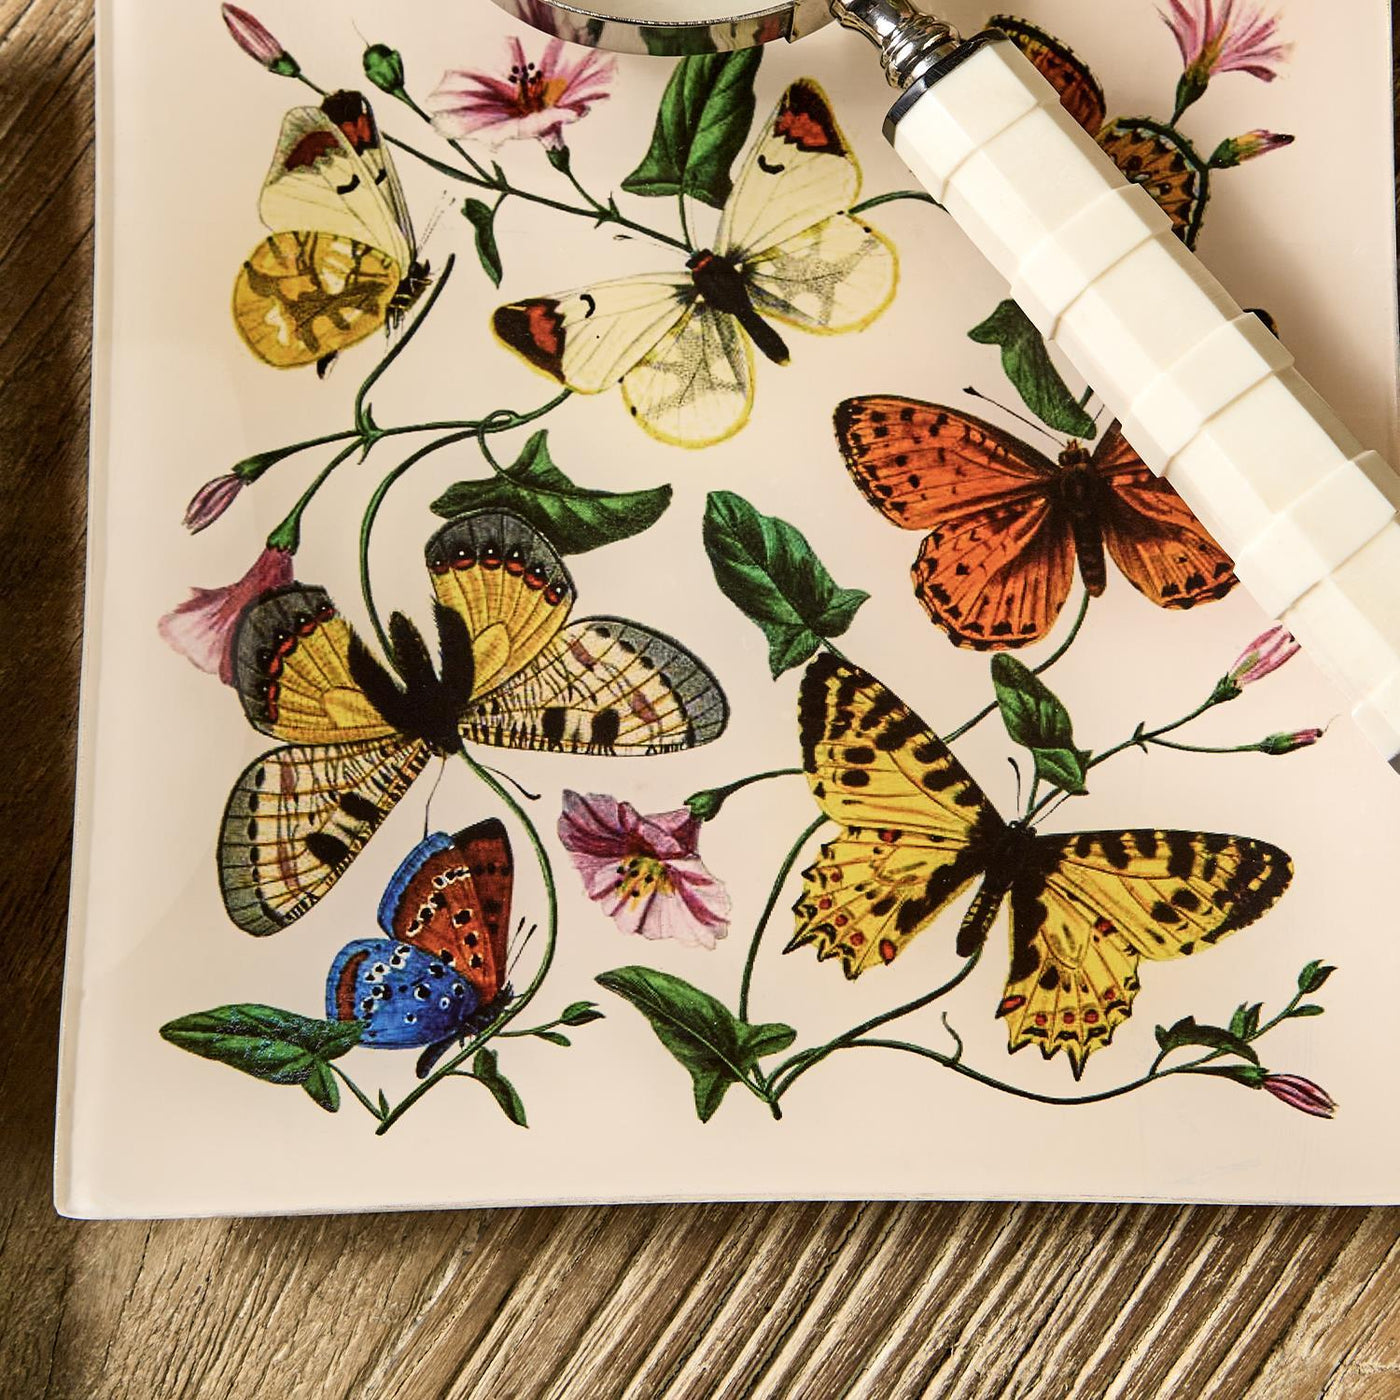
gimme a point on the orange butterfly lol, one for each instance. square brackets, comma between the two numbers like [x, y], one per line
[1006, 524]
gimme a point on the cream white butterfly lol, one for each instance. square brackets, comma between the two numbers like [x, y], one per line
[681, 343]
[342, 259]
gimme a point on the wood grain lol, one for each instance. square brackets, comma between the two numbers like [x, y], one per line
[791, 1300]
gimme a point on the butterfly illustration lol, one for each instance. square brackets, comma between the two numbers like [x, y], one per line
[1086, 907]
[1006, 524]
[681, 343]
[439, 974]
[341, 261]
[1148, 152]
[513, 671]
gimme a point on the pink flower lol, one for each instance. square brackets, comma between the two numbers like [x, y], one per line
[1235, 150]
[536, 101]
[211, 501]
[1301, 1094]
[646, 872]
[202, 628]
[1264, 655]
[1214, 38]
[253, 38]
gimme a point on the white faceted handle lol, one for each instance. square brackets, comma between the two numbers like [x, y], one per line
[1207, 396]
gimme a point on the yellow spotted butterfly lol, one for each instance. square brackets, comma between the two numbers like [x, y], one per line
[513, 671]
[1086, 908]
[681, 343]
[341, 261]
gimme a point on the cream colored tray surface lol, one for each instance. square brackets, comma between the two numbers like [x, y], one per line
[662, 682]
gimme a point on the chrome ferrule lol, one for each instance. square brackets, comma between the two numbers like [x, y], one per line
[911, 43]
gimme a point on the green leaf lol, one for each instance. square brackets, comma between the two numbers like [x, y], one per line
[705, 116]
[1188, 1032]
[482, 218]
[383, 1105]
[1308, 1009]
[553, 1037]
[1029, 367]
[486, 1071]
[580, 1013]
[715, 1047]
[573, 519]
[321, 1086]
[766, 568]
[1036, 719]
[1312, 977]
[264, 1041]
[1245, 1021]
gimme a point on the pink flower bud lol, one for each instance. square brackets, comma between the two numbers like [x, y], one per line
[254, 39]
[211, 501]
[1266, 653]
[1235, 150]
[1290, 743]
[1301, 1094]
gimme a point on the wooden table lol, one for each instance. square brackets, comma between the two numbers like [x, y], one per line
[794, 1300]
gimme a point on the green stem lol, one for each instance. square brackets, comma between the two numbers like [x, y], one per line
[1056, 655]
[949, 1062]
[685, 222]
[356, 1090]
[518, 1004]
[1202, 748]
[287, 535]
[773, 894]
[791, 1070]
[1140, 739]
[920, 196]
[363, 421]
[471, 160]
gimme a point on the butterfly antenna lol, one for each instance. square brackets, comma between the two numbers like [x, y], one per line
[515, 783]
[434, 219]
[520, 943]
[1016, 769]
[1011, 413]
[1055, 806]
[432, 793]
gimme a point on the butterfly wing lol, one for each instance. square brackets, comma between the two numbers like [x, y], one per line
[329, 175]
[1066, 72]
[1165, 165]
[588, 339]
[507, 583]
[915, 826]
[300, 297]
[405, 997]
[603, 686]
[451, 899]
[799, 173]
[298, 816]
[998, 562]
[695, 387]
[835, 276]
[1086, 908]
[292, 671]
[1164, 551]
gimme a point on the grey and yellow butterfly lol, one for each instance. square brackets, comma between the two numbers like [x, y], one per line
[681, 343]
[342, 260]
[513, 671]
[1086, 907]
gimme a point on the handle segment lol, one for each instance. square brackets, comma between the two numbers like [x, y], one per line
[1207, 396]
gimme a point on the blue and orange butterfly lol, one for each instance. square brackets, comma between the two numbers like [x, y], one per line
[439, 973]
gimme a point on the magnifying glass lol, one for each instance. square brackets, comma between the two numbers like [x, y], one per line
[1206, 394]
